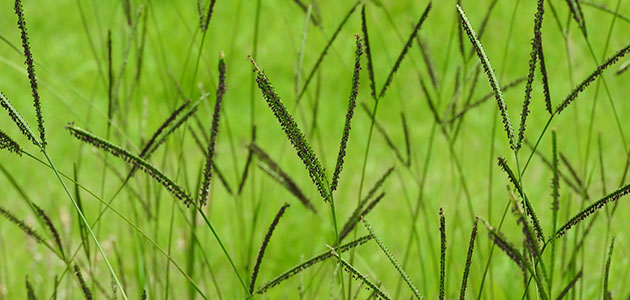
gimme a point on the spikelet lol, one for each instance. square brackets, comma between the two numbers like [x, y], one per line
[263, 247]
[485, 62]
[352, 103]
[134, 160]
[51, 227]
[612, 197]
[586, 82]
[18, 120]
[7, 143]
[555, 181]
[360, 277]
[86, 291]
[20, 224]
[207, 173]
[471, 248]
[368, 53]
[358, 214]
[393, 260]
[545, 77]
[569, 286]
[526, 204]
[273, 169]
[171, 118]
[309, 263]
[442, 255]
[404, 50]
[506, 246]
[294, 134]
[205, 14]
[30, 69]
[533, 57]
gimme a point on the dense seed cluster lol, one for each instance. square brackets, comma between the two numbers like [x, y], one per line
[494, 83]
[51, 227]
[18, 120]
[86, 291]
[309, 263]
[533, 57]
[586, 82]
[471, 248]
[360, 277]
[7, 143]
[207, 173]
[270, 167]
[393, 260]
[526, 205]
[136, 161]
[293, 132]
[30, 70]
[612, 197]
[263, 247]
[506, 246]
[404, 50]
[358, 214]
[352, 103]
[20, 224]
[442, 255]
[205, 13]
[368, 53]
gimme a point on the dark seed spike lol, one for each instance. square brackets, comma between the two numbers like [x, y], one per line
[356, 216]
[215, 167]
[407, 143]
[442, 255]
[352, 103]
[368, 53]
[471, 248]
[273, 169]
[205, 18]
[569, 286]
[485, 62]
[86, 291]
[404, 50]
[545, 78]
[20, 224]
[51, 227]
[533, 57]
[293, 133]
[134, 160]
[207, 173]
[7, 143]
[30, 69]
[18, 120]
[263, 247]
[578, 15]
[586, 82]
[507, 247]
[360, 277]
[311, 262]
[526, 204]
[171, 118]
[612, 197]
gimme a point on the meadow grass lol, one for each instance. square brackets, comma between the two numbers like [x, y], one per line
[194, 202]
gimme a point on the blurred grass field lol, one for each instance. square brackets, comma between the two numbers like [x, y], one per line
[69, 42]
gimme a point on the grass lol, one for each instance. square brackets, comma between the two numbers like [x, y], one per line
[209, 157]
